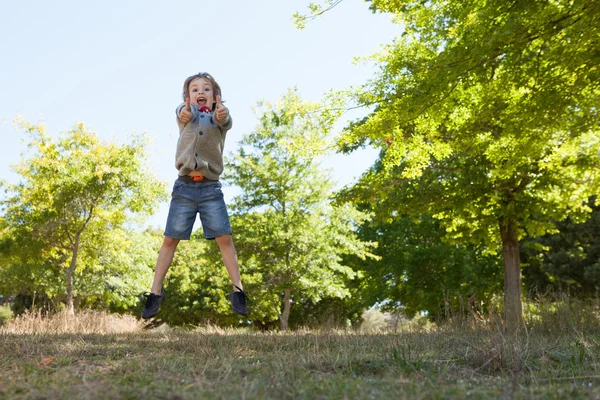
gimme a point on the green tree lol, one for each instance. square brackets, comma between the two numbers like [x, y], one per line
[488, 111]
[121, 271]
[419, 271]
[76, 194]
[289, 235]
[568, 260]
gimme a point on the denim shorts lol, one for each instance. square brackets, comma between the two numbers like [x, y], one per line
[202, 197]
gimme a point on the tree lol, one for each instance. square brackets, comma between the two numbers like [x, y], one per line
[420, 272]
[568, 260]
[114, 278]
[76, 193]
[290, 237]
[488, 114]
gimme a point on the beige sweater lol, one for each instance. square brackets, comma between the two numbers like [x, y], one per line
[201, 143]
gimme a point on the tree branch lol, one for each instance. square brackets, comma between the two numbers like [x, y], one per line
[314, 16]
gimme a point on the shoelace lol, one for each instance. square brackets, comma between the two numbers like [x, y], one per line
[150, 297]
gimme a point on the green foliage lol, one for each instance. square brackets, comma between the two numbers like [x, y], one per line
[488, 112]
[197, 286]
[487, 117]
[420, 271]
[567, 261]
[64, 222]
[5, 314]
[114, 280]
[300, 20]
[330, 312]
[289, 235]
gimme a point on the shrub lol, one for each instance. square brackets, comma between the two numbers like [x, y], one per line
[5, 314]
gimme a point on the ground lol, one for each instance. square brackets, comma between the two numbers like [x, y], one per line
[214, 363]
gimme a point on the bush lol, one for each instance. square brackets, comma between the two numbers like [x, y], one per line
[5, 314]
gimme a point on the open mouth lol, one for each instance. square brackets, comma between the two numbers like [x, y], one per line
[201, 101]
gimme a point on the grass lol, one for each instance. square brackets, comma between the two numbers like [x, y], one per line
[85, 358]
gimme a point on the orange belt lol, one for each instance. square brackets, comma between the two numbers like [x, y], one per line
[195, 179]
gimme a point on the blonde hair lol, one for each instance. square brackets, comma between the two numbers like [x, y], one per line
[209, 78]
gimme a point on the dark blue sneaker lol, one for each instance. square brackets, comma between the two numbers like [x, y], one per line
[239, 302]
[153, 302]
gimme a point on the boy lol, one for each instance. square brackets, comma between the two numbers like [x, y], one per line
[203, 124]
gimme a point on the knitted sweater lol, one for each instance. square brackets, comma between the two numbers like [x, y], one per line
[201, 143]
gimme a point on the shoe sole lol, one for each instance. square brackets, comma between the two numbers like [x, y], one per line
[148, 316]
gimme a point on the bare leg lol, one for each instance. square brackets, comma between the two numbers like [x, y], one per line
[165, 258]
[230, 259]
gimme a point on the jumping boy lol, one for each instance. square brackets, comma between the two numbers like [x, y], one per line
[203, 124]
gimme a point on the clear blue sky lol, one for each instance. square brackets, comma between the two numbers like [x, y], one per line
[118, 67]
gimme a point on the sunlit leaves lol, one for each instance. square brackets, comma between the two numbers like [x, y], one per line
[288, 234]
[67, 213]
[315, 9]
[486, 110]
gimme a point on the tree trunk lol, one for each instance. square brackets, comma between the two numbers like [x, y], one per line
[286, 310]
[69, 277]
[512, 274]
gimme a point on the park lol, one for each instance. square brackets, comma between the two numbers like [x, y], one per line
[458, 258]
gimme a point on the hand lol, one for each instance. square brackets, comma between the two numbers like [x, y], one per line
[221, 112]
[186, 113]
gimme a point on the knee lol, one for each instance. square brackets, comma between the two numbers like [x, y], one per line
[224, 241]
[170, 243]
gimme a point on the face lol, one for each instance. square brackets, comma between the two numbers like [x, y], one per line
[201, 93]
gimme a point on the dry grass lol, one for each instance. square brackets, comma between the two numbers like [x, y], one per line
[82, 322]
[467, 358]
